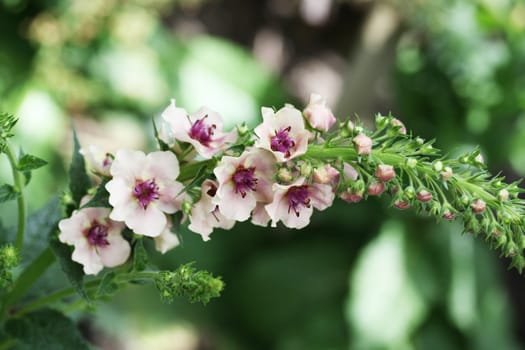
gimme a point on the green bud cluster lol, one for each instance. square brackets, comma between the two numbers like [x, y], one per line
[197, 286]
[9, 258]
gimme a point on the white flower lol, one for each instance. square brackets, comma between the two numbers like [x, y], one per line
[143, 189]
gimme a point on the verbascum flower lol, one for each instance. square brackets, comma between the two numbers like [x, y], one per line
[293, 204]
[283, 133]
[167, 240]
[318, 114]
[97, 239]
[205, 214]
[243, 182]
[144, 189]
[203, 129]
[98, 160]
[363, 144]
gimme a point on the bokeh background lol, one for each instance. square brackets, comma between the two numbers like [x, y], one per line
[361, 276]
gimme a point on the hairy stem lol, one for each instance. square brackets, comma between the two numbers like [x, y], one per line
[19, 186]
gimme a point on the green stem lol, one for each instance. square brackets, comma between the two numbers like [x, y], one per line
[19, 186]
[67, 292]
[187, 172]
[28, 278]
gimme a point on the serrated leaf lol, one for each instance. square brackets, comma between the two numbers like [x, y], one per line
[41, 225]
[7, 193]
[101, 197]
[45, 330]
[140, 256]
[79, 182]
[71, 269]
[29, 162]
[107, 286]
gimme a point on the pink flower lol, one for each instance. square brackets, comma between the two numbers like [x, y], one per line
[424, 196]
[99, 161]
[363, 144]
[398, 123]
[243, 182]
[283, 133]
[318, 114]
[478, 206]
[399, 204]
[351, 196]
[96, 238]
[205, 215]
[203, 129]
[350, 172]
[293, 204]
[385, 172]
[143, 188]
[167, 240]
[260, 216]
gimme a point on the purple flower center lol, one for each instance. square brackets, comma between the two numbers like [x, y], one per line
[297, 198]
[244, 180]
[97, 234]
[107, 160]
[202, 132]
[146, 192]
[282, 142]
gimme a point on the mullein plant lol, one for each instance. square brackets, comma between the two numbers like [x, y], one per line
[208, 178]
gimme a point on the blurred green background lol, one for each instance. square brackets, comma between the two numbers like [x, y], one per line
[361, 276]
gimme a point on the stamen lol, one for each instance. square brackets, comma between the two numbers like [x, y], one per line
[244, 180]
[97, 234]
[146, 192]
[282, 142]
[297, 198]
[202, 132]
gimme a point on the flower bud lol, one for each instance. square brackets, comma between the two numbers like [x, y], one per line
[409, 192]
[306, 169]
[420, 141]
[325, 174]
[411, 163]
[381, 121]
[448, 215]
[376, 188]
[479, 159]
[318, 114]
[438, 166]
[399, 204]
[447, 174]
[346, 128]
[284, 174]
[242, 129]
[351, 196]
[478, 206]
[363, 144]
[187, 207]
[349, 172]
[385, 172]
[503, 195]
[424, 196]
[399, 125]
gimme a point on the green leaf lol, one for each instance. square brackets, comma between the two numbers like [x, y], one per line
[163, 145]
[140, 256]
[45, 330]
[101, 197]
[79, 181]
[72, 270]
[107, 286]
[7, 193]
[29, 162]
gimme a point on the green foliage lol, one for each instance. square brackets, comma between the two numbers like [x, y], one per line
[101, 197]
[29, 162]
[140, 256]
[7, 123]
[107, 286]
[45, 330]
[9, 258]
[79, 180]
[7, 193]
[197, 286]
[71, 269]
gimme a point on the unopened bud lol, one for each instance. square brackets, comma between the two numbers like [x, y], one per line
[381, 121]
[350, 196]
[363, 144]
[325, 174]
[411, 163]
[284, 175]
[306, 169]
[376, 188]
[448, 215]
[447, 174]
[399, 204]
[438, 166]
[385, 172]
[479, 159]
[503, 195]
[409, 192]
[424, 196]
[187, 207]
[478, 206]
[242, 129]
[399, 126]
[419, 141]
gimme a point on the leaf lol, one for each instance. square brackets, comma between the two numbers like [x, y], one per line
[45, 330]
[7, 193]
[29, 162]
[107, 286]
[101, 197]
[72, 270]
[140, 256]
[163, 145]
[79, 182]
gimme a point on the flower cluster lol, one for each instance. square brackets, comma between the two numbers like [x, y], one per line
[281, 171]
